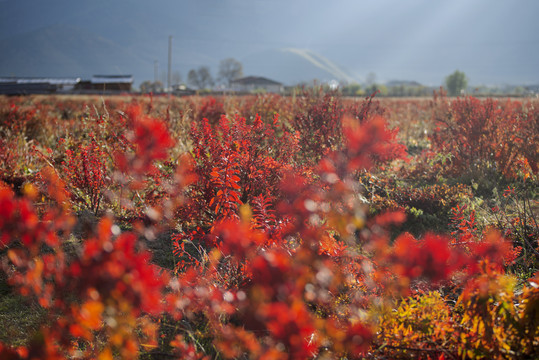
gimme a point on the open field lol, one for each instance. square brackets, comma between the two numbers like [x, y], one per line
[269, 227]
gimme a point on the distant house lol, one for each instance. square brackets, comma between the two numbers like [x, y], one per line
[255, 83]
[43, 85]
[106, 83]
[36, 85]
[182, 90]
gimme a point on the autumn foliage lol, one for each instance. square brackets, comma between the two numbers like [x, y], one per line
[291, 236]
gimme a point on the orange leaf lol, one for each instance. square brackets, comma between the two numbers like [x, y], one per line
[235, 185]
[106, 355]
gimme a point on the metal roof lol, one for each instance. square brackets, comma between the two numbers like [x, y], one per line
[108, 79]
[40, 80]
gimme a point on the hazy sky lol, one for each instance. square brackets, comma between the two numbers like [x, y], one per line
[492, 41]
[394, 38]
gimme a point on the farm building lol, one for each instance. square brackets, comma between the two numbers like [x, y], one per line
[256, 83]
[36, 85]
[106, 83]
[43, 85]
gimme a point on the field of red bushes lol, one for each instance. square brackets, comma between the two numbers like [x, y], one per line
[267, 227]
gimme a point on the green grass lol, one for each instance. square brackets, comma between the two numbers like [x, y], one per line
[19, 318]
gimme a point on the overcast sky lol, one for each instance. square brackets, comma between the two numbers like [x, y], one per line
[492, 41]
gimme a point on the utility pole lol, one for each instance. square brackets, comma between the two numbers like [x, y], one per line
[169, 62]
[155, 71]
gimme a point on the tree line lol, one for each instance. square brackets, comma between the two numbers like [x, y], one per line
[201, 77]
[231, 69]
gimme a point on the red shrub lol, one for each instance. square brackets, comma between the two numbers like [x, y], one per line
[274, 260]
[211, 109]
[488, 134]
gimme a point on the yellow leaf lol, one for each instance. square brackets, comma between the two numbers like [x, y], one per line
[245, 213]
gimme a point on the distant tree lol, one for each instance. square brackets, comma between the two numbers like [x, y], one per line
[381, 89]
[200, 78]
[193, 79]
[408, 90]
[205, 77]
[519, 91]
[230, 69]
[145, 86]
[352, 89]
[456, 83]
[151, 86]
[176, 78]
[371, 79]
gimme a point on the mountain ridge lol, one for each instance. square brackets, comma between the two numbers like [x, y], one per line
[66, 50]
[492, 42]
